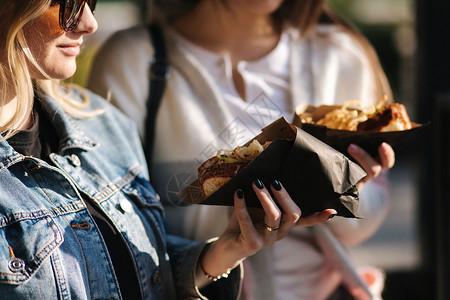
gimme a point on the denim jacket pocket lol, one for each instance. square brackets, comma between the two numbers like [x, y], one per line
[26, 241]
[142, 193]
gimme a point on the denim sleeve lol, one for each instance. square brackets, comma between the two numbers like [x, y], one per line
[183, 256]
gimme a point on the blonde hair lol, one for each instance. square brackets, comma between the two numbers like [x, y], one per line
[15, 77]
[305, 15]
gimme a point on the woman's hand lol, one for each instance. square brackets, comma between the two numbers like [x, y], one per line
[251, 229]
[373, 166]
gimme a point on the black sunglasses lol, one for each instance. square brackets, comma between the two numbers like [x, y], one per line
[70, 12]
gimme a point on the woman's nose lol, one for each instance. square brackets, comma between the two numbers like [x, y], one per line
[88, 24]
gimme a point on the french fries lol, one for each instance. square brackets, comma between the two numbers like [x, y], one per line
[346, 117]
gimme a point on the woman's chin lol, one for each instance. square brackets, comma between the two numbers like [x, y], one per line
[58, 74]
[67, 73]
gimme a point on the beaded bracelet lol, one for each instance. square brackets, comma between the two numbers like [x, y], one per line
[213, 278]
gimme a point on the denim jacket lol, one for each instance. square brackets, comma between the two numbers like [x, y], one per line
[50, 248]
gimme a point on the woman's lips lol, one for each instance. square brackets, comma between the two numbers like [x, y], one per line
[71, 49]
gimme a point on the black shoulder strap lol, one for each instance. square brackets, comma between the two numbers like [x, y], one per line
[159, 70]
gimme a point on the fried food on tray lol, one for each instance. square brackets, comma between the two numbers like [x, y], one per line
[392, 118]
[347, 117]
[354, 117]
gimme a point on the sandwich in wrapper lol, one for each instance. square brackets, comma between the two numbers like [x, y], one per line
[315, 175]
[218, 170]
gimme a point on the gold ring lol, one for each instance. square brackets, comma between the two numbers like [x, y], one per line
[271, 228]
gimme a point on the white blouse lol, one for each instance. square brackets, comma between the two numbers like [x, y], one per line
[267, 85]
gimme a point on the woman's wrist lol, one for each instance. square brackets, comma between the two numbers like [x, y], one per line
[212, 277]
[215, 262]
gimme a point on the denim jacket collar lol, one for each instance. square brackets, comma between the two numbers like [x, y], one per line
[70, 135]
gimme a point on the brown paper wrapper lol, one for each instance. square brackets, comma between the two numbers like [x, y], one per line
[315, 175]
[341, 139]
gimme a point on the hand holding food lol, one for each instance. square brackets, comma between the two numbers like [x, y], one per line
[251, 229]
[365, 134]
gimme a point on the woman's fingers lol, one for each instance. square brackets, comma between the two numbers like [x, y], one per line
[272, 216]
[244, 219]
[291, 212]
[373, 167]
[318, 217]
[367, 162]
[387, 156]
[259, 228]
[253, 236]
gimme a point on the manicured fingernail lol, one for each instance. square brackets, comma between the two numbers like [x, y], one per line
[258, 183]
[332, 216]
[240, 194]
[276, 185]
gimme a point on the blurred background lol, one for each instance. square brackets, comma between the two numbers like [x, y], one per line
[412, 38]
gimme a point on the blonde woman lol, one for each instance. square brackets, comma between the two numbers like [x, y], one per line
[236, 66]
[78, 217]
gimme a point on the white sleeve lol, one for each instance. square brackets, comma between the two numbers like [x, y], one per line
[120, 71]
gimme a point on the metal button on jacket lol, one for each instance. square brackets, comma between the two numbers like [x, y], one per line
[16, 265]
[125, 205]
[75, 160]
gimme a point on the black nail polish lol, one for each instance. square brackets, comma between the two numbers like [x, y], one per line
[276, 185]
[332, 216]
[258, 183]
[240, 194]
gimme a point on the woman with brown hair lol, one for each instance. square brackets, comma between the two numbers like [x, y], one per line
[236, 66]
